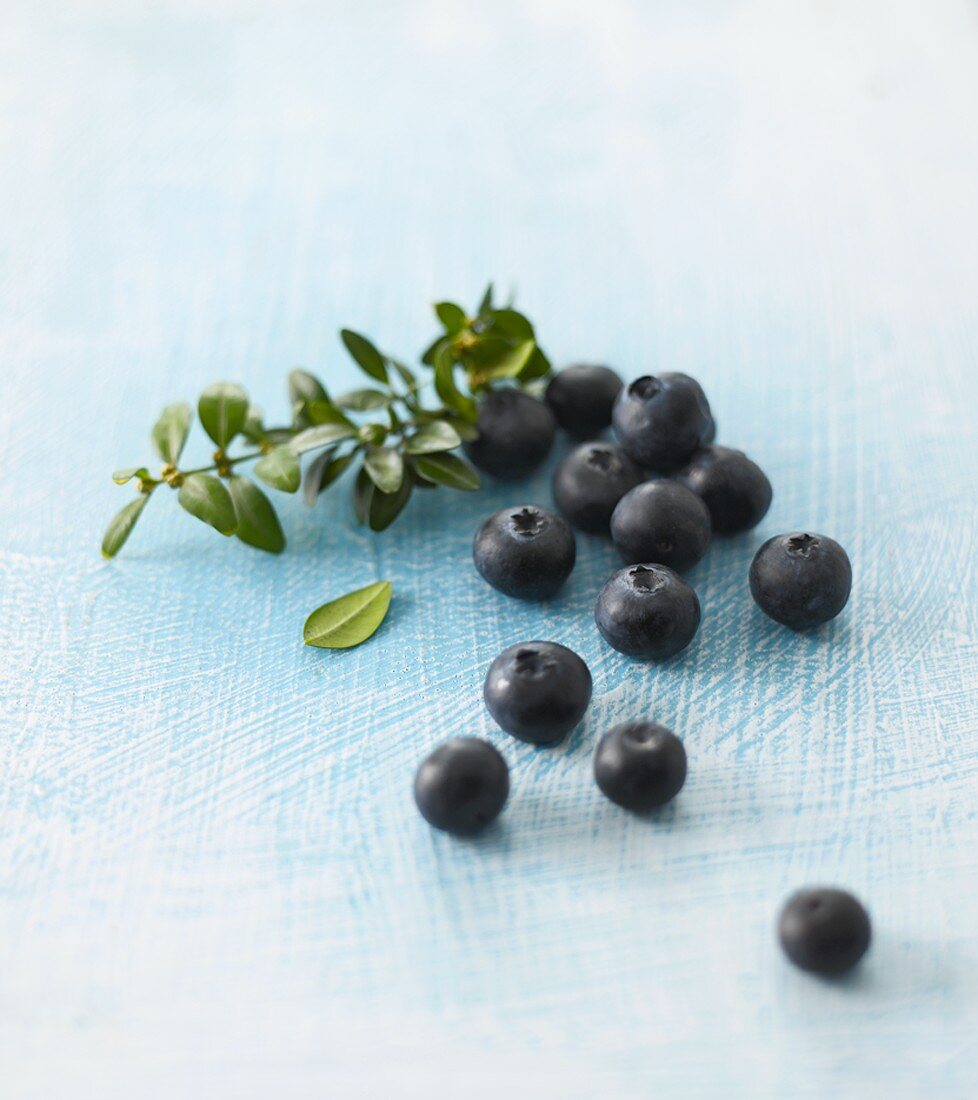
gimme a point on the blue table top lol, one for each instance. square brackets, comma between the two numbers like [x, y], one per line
[213, 881]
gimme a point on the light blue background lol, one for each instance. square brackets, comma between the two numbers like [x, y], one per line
[213, 882]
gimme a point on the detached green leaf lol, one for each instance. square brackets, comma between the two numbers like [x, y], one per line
[367, 357]
[363, 400]
[320, 435]
[446, 469]
[451, 316]
[350, 620]
[386, 507]
[121, 526]
[385, 467]
[280, 468]
[438, 436]
[445, 383]
[223, 410]
[258, 524]
[206, 498]
[170, 431]
[120, 477]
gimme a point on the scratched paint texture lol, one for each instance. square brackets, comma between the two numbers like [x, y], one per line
[212, 878]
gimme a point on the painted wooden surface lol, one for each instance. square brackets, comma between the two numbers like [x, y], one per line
[212, 878]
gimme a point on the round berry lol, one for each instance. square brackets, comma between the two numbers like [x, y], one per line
[581, 398]
[801, 580]
[661, 420]
[661, 521]
[516, 432]
[647, 611]
[590, 481]
[462, 785]
[824, 930]
[734, 489]
[538, 691]
[527, 551]
[640, 765]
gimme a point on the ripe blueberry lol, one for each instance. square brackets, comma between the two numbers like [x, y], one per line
[647, 611]
[736, 490]
[516, 432]
[462, 785]
[581, 398]
[590, 481]
[538, 691]
[801, 580]
[661, 420]
[661, 521]
[640, 765]
[526, 551]
[824, 930]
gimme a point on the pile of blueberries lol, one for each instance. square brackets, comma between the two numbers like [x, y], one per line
[661, 493]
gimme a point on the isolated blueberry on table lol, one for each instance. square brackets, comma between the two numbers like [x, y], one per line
[824, 930]
[661, 521]
[590, 481]
[735, 490]
[660, 420]
[516, 432]
[801, 580]
[647, 611]
[462, 785]
[581, 398]
[640, 765]
[538, 691]
[525, 551]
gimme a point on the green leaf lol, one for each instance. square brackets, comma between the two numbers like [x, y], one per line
[445, 383]
[258, 524]
[367, 357]
[121, 526]
[324, 469]
[305, 387]
[537, 366]
[446, 469]
[511, 323]
[363, 400]
[385, 467]
[408, 377]
[386, 507]
[363, 492]
[486, 304]
[497, 357]
[325, 412]
[451, 316]
[319, 435]
[223, 410]
[253, 429]
[350, 620]
[120, 477]
[428, 355]
[468, 432]
[206, 498]
[280, 468]
[439, 436]
[170, 431]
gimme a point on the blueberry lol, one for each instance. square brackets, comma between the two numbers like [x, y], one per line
[660, 421]
[736, 490]
[824, 930]
[538, 691]
[640, 765]
[525, 551]
[516, 432]
[581, 398]
[661, 521]
[462, 785]
[647, 611]
[590, 481]
[801, 580]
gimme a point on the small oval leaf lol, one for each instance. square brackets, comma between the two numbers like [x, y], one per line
[320, 436]
[437, 436]
[304, 386]
[349, 620]
[223, 410]
[258, 524]
[451, 316]
[366, 356]
[446, 469]
[170, 431]
[121, 526]
[445, 384]
[120, 477]
[363, 400]
[206, 498]
[385, 467]
[280, 469]
[386, 507]
[325, 412]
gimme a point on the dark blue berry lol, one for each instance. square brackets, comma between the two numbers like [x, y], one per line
[462, 785]
[538, 691]
[824, 930]
[516, 432]
[661, 420]
[661, 521]
[736, 490]
[640, 765]
[801, 580]
[590, 481]
[647, 611]
[581, 398]
[525, 551]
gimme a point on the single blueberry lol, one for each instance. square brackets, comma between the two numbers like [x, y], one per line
[640, 765]
[462, 785]
[581, 398]
[538, 691]
[661, 521]
[735, 489]
[801, 580]
[647, 611]
[824, 930]
[590, 481]
[661, 420]
[526, 551]
[516, 432]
